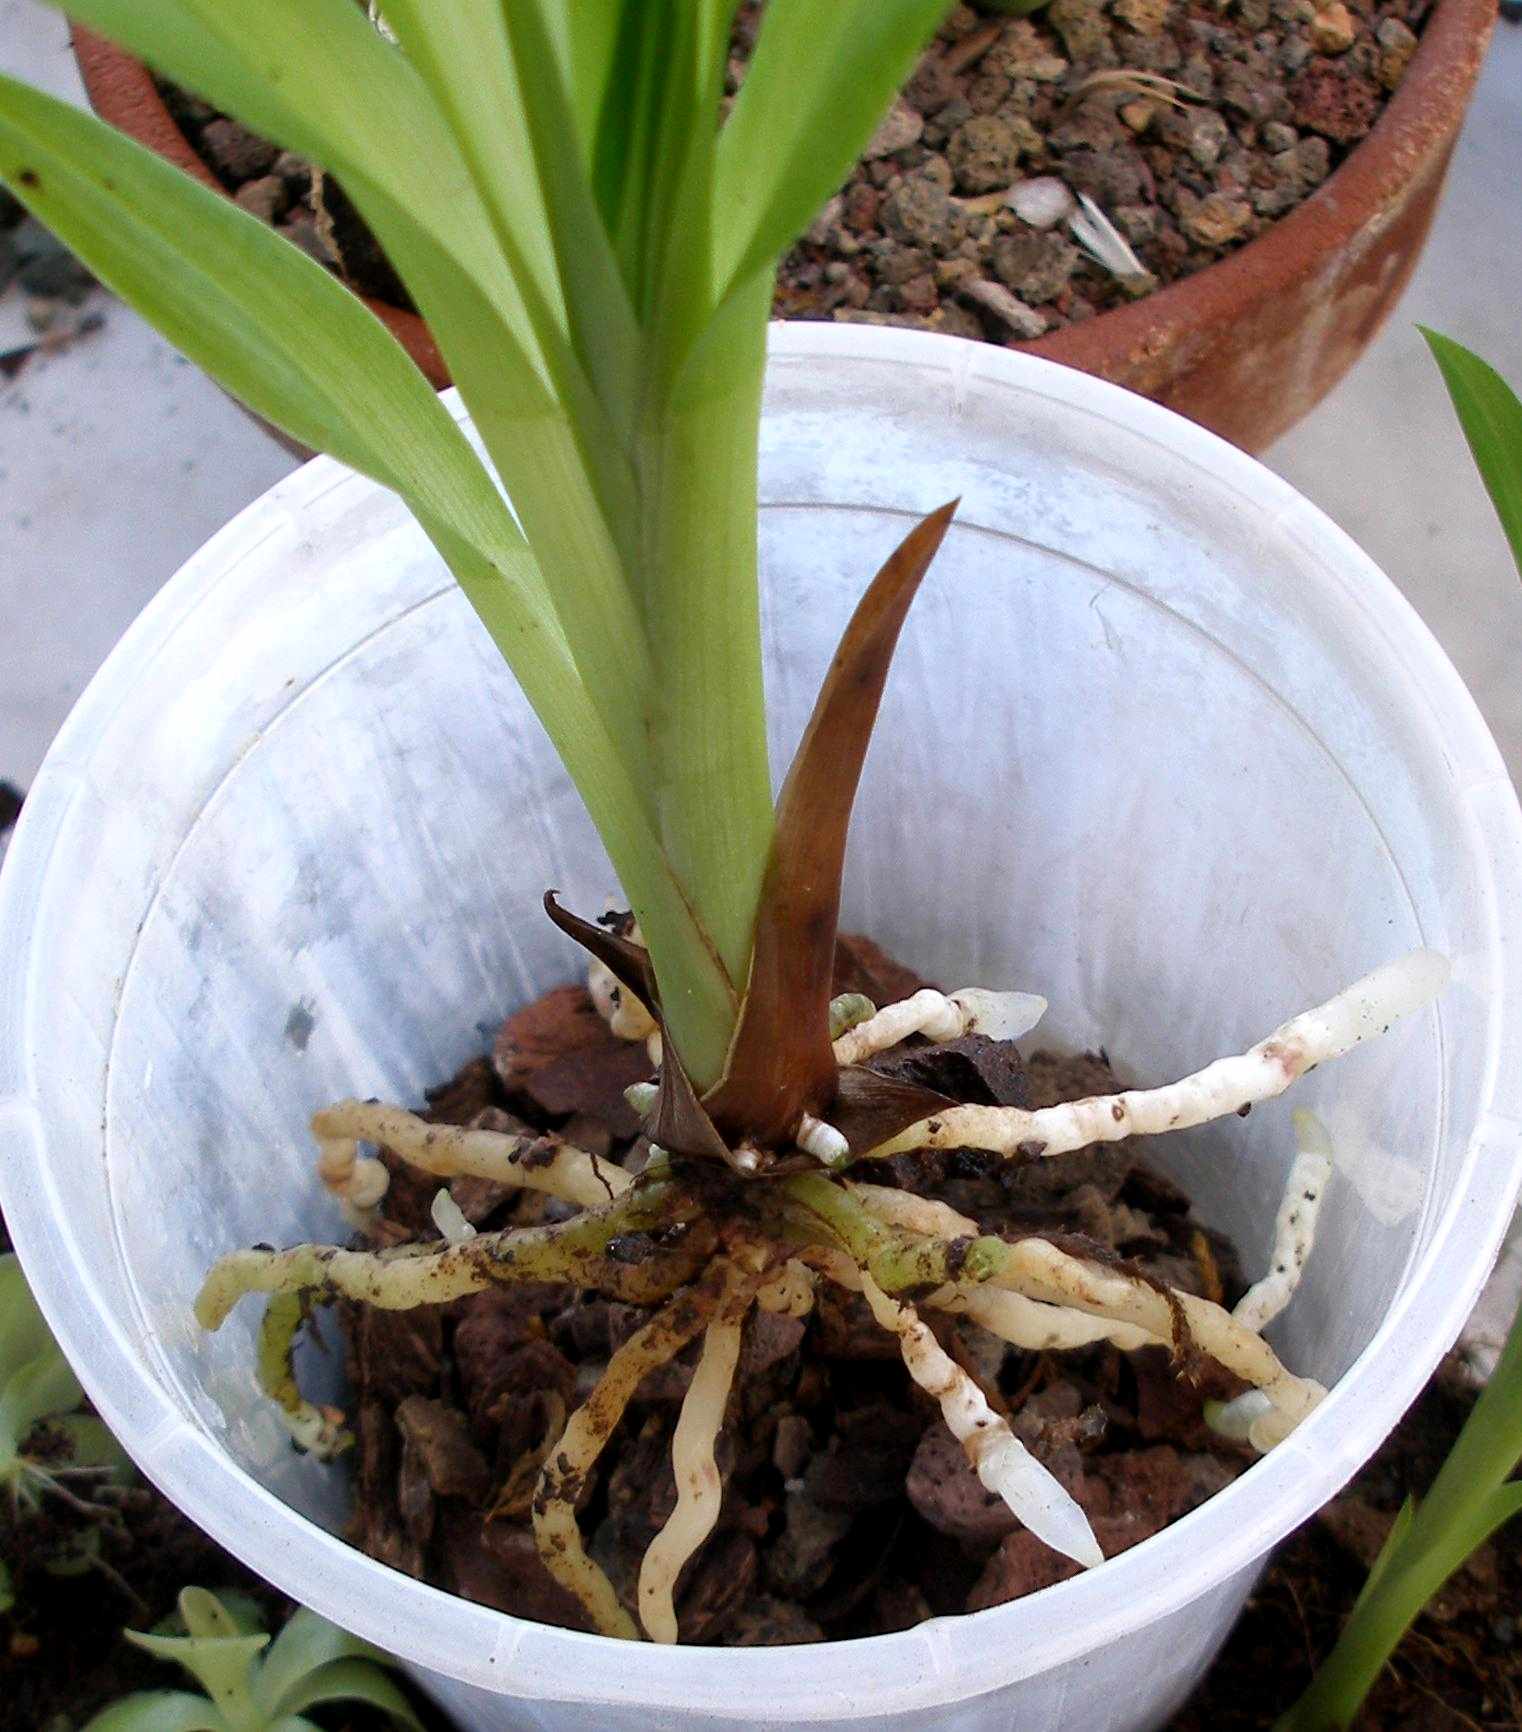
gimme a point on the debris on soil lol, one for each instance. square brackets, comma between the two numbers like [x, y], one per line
[848, 1510]
[1192, 126]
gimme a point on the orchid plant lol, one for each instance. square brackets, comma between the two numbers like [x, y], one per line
[592, 241]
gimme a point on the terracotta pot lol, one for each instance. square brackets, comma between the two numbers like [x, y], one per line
[1245, 347]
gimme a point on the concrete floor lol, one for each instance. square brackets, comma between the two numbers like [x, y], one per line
[117, 458]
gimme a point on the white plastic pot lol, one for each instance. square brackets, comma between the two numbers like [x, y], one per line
[1161, 743]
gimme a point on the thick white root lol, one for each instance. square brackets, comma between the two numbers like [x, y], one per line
[1295, 1227]
[939, 1017]
[1002, 1463]
[451, 1151]
[699, 1489]
[1362, 1010]
[1126, 1310]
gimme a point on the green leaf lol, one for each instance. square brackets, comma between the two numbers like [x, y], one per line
[159, 1711]
[352, 1681]
[1399, 1529]
[819, 81]
[23, 1333]
[7, 1588]
[1491, 415]
[42, 1390]
[306, 1645]
[267, 321]
[217, 1652]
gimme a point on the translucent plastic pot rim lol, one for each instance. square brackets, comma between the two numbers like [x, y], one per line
[945, 1660]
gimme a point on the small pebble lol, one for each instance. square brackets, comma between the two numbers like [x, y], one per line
[1397, 43]
[236, 152]
[1024, 321]
[267, 198]
[901, 127]
[1215, 221]
[1333, 30]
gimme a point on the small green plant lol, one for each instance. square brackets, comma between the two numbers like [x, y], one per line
[48, 1448]
[252, 1684]
[594, 252]
[1474, 1493]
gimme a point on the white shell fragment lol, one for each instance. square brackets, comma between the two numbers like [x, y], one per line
[1043, 201]
[1102, 241]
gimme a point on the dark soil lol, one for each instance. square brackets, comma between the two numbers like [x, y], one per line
[1266, 98]
[849, 1509]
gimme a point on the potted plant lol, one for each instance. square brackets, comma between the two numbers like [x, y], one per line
[1245, 346]
[608, 327]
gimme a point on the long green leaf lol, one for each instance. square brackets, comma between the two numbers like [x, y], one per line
[511, 121]
[1490, 413]
[819, 80]
[304, 1645]
[313, 75]
[351, 1681]
[251, 308]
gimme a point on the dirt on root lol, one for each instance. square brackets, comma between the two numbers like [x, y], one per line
[1193, 125]
[848, 1508]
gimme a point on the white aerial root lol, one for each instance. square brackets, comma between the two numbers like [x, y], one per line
[699, 1488]
[939, 1017]
[790, 1292]
[1037, 1271]
[616, 1005]
[1001, 1462]
[587, 1432]
[1362, 1010]
[1041, 1271]
[451, 1151]
[822, 1141]
[1295, 1227]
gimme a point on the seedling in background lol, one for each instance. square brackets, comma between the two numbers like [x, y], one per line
[252, 1684]
[1474, 1495]
[594, 254]
[50, 1452]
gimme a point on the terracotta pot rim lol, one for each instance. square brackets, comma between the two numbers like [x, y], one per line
[1422, 111]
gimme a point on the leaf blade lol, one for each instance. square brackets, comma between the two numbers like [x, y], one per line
[781, 1062]
[1490, 414]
